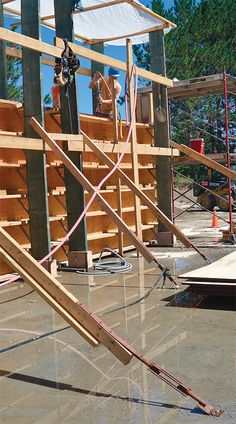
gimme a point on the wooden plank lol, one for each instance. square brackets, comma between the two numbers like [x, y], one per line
[118, 185]
[48, 298]
[110, 61]
[133, 34]
[30, 43]
[155, 210]
[88, 186]
[210, 283]
[223, 269]
[55, 51]
[3, 67]
[13, 52]
[61, 295]
[74, 144]
[89, 8]
[205, 160]
[9, 104]
[144, 9]
[134, 154]
[99, 6]
[91, 118]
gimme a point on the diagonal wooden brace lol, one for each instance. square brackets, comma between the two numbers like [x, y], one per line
[230, 173]
[78, 315]
[142, 196]
[140, 246]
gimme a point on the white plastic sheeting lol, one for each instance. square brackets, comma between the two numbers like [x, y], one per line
[109, 22]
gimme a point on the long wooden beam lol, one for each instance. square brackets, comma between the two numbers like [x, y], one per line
[56, 294]
[30, 43]
[110, 61]
[75, 144]
[150, 12]
[48, 298]
[132, 34]
[56, 51]
[142, 196]
[13, 52]
[134, 153]
[205, 160]
[89, 187]
[90, 8]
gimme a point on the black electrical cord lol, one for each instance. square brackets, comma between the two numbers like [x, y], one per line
[165, 273]
[118, 266]
[16, 298]
[33, 339]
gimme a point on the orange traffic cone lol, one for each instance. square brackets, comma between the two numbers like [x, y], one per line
[215, 223]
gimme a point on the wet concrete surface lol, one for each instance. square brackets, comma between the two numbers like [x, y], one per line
[61, 379]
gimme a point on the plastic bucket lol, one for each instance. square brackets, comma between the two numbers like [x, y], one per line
[56, 104]
[198, 144]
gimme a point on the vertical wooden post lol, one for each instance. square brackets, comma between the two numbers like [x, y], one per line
[118, 184]
[114, 114]
[95, 66]
[35, 161]
[70, 124]
[137, 210]
[3, 69]
[161, 134]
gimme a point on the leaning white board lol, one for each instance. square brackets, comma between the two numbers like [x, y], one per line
[222, 270]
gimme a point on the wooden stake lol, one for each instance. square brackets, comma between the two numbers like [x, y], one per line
[137, 210]
[118, 185]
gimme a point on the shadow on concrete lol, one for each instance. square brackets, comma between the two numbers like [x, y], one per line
[68, 387]
[188, 299]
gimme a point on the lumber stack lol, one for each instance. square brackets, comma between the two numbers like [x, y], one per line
[217, 279]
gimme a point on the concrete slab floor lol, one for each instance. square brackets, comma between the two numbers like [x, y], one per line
[61, 379]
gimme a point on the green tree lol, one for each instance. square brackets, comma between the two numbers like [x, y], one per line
[14, 79]
[203, 43]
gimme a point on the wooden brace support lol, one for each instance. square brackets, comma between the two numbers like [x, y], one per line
[65, 303]
[204, 160]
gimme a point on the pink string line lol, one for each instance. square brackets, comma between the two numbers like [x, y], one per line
[96, 190]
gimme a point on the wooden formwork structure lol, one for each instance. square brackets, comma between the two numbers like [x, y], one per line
[135, 199]
[101, 230]
[138, 162]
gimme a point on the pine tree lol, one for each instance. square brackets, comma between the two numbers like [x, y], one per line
[203, 43]
[14, 79]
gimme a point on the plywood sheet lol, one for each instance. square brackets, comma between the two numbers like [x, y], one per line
[210, 283]
[222, 270]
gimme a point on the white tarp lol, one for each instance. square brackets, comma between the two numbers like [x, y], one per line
[105, 23]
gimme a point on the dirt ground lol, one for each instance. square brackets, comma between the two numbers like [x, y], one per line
[58, 378]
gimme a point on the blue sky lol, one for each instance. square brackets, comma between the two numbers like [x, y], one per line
[85, 96]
